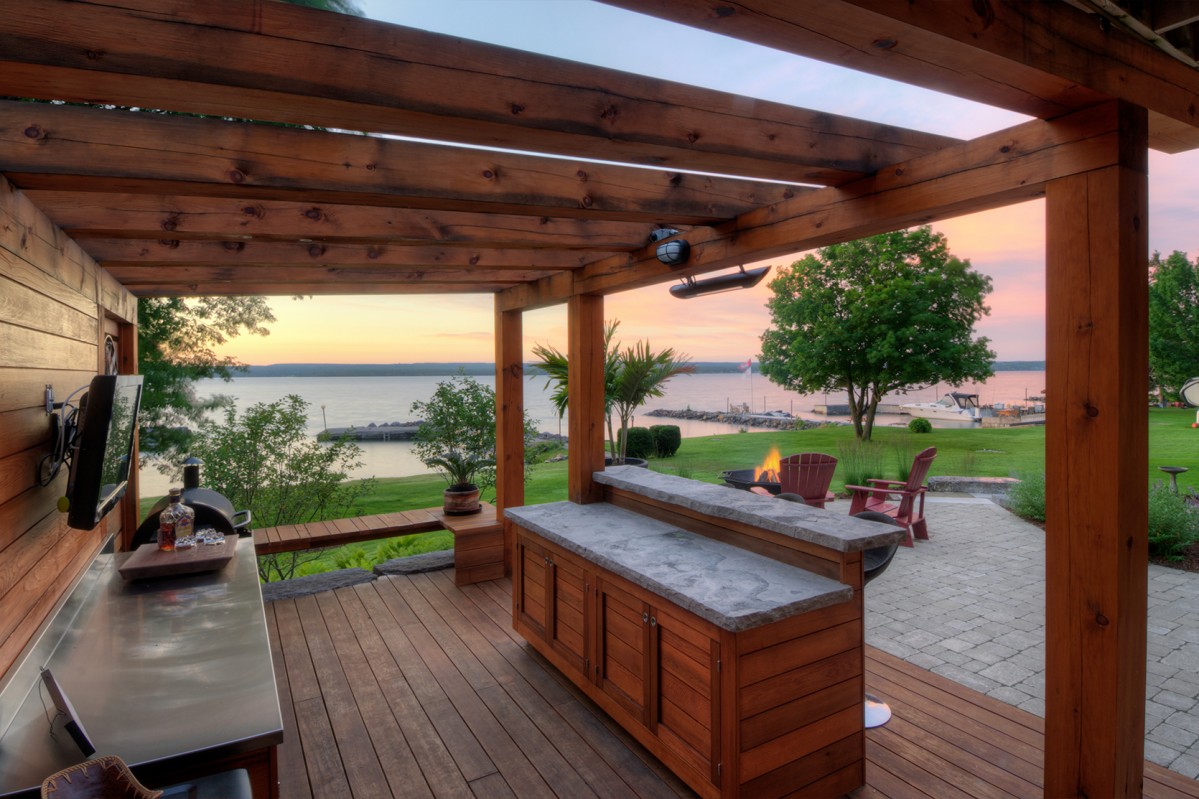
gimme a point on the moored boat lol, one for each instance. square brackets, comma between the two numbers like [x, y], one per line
[954, 406]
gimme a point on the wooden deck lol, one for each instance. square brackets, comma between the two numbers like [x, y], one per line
[410, 686]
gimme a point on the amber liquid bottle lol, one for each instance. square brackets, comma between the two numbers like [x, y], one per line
[168, 522]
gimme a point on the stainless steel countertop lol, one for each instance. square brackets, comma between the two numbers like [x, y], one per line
[155, 669]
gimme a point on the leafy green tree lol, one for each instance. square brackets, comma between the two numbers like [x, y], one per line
[176, 338]
[265, 461]
[631, 377]
[457, 431]
[1173, 321]
[882, 314]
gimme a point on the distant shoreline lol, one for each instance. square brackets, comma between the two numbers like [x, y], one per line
[480, 369]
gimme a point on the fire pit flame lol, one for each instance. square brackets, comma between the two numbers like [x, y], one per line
[769, 470]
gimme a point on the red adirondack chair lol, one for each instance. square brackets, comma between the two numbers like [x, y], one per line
[902, 501]
[809, 475]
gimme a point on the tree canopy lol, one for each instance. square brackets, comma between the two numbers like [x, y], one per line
[1173, 321]
[868, 317]
[175, 341]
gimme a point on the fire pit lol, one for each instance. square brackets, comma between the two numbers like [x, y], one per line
[745, 480]
[765, 476]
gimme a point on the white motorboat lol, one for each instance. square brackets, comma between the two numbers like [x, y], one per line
[954, 406]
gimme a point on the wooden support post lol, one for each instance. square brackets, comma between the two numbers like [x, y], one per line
[1096, 459]
[509, 418]
[585, 354]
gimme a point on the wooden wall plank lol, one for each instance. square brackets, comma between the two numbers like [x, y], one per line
[49, 335]
[22, 306]
[1096, 453]
[32, 349]
[585, 355]
[28, 234]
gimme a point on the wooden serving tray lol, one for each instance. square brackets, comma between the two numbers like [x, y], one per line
[148, 561]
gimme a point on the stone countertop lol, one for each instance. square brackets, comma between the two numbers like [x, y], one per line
[826, 528]
[733, 588]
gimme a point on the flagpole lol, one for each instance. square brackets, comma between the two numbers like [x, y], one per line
[750, 368]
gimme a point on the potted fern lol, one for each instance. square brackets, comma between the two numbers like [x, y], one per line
[459, 468]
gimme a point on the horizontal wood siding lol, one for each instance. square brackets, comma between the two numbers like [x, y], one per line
[801, 685]
[53, 299]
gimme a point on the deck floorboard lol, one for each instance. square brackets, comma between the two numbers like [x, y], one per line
[411, 686]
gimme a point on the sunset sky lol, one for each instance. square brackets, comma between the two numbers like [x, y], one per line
[1007, 244]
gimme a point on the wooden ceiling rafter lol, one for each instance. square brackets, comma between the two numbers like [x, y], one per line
[114, 253]
[176, 288]
[45, 146]
[362, 75]
[1008, 54]
[86, 215]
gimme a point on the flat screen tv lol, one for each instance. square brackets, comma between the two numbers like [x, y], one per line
[102, 448]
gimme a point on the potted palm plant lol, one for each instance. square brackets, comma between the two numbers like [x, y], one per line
[459, 468]
[631, 377]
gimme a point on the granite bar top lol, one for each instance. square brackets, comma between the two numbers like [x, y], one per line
[733, 588]
[836, 531]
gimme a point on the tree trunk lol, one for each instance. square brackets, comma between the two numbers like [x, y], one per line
[855, 412]
[871, 410]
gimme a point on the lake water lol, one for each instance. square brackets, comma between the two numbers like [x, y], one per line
[358, 401]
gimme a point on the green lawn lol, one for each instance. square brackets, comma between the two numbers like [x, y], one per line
[991, 452]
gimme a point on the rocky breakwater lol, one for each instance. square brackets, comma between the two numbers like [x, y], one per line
[771, 420]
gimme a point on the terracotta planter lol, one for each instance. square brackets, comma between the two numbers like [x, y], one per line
[461, 499]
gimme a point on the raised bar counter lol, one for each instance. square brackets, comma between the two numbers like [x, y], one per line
[730, 587]
[824, 528]
[722, 629]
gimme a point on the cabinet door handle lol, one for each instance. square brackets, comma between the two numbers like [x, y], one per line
[644, 618]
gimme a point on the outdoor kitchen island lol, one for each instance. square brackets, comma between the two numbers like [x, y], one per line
[722, 629]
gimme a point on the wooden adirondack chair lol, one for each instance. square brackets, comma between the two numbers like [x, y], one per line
[809, 475]
[902, 501]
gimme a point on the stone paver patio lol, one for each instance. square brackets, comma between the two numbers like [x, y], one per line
[969, 604]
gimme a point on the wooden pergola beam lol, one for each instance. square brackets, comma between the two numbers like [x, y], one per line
[177, 288]
[364, 75]
[994, 170]
[85, 149]
[135, 277]
[1044, 59]
[115, 253]
[85, 215]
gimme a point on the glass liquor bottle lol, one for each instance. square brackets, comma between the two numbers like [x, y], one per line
[174, 517]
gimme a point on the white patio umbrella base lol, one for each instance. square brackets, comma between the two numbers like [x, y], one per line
[877, 712]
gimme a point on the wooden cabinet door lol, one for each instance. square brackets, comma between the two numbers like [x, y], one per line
[566, 629]
[622, 648]
[684, 667]
[529, 582]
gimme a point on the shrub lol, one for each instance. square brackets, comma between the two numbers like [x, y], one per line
[1026, 499]
[667, 439]
[919, 425]
[640, 443]
[1173, 523]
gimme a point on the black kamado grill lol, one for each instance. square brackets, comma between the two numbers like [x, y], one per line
[212, 509]
[744, 479]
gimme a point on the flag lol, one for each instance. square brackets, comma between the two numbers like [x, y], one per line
[747, 366]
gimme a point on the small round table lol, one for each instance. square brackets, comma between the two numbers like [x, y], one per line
[1173, 471]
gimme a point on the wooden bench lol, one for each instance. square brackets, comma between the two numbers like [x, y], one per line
[478, 538]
